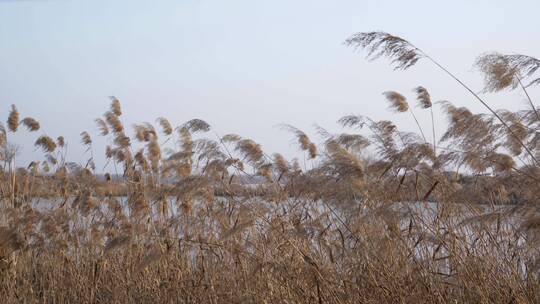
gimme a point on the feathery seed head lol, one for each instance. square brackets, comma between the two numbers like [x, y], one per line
[86, 139]
[46, 143]
[397, 101]
[165, 126]
[402, 53]
[102, 126]
[60, 141]
[196, 125]
[114, 122]
[30, 124]
[13, 119]
[115, 106]
[423, 97]
[506, 71]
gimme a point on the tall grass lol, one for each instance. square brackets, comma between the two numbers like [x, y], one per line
[181, 216]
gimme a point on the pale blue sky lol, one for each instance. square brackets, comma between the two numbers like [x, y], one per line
[243, 66]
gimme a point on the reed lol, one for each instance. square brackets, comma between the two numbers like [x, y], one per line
[179, 214]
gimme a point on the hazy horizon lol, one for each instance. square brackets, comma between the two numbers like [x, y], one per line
[242, 66]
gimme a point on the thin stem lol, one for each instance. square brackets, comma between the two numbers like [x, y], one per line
[418, 124]
[529, 99]
[14, 180]
[433, 131]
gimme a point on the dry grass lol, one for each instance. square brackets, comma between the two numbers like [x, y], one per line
[181, 217]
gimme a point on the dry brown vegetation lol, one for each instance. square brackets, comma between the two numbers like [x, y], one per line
[180, 220]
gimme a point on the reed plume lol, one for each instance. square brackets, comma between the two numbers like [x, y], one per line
[251, 150]
[3, 135]
[144, 132]
[86, 139]
[303, 140]
[154, 153]
[30, 124]
[281, 164]
[503, 72]
[196, 125]
[354, 142]
[122, 140]
[402, 53]
[397, 101]
[506, 71]
[423, 97]
[45, 143]
[13, 119]
[424, 100]
[231, 138]
[115, 106]
[60, 141]
[102, 126]
[165, 126]
[114, 122]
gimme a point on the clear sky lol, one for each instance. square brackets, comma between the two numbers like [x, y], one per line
[243, 66]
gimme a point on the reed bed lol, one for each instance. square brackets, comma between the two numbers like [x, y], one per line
[377, 215]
